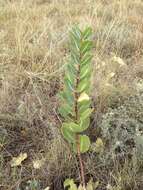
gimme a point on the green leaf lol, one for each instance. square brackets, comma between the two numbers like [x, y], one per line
[75, 38]
[85, 71]
[83, 105]
[71, 73]
[68, 96]
[96, 185]
[69, 85]
[75, 57]
[68, 134]
[71, 69]
[84, 124]
[70, 183]
[86, 46]
[77, 32]
[81, 187]
[86, 114]
[90, 185]
[86, 59]
[83, 85]
[75, 43]
[78, 128]
[74, 127]
[84, 143]
[65, 110]
[87, 33]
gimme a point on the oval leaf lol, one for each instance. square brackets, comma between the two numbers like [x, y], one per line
[68, 134]
[84, 143]
[84, 124]
[86, 113]
[87, 33]
[65, 110]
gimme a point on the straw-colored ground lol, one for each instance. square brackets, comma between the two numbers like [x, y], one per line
[33, 52]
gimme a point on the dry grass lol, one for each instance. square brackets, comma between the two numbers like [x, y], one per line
[33, 52]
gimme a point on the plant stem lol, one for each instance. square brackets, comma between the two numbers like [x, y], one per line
[80, 163]
[82, 178]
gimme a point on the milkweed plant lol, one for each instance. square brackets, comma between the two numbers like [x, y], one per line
[75, 105]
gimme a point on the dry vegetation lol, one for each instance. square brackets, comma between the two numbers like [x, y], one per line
[33, 52]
